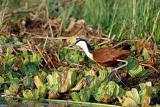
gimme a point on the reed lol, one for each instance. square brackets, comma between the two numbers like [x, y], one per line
[124, 18]
[119, 19]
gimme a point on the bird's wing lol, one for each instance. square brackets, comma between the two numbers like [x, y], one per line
[104, 55]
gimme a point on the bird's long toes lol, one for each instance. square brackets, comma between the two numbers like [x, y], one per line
[111, 75]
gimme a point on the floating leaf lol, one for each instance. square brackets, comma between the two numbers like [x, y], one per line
[1, 80]
[36, 93]
[75, 96]
[134, 68]
[136, 71]
[78, 86]
[128, 102]
[42, 75]
[28, 94]
[72, 56]
[103, 74]
[85, 94]
[53, 81]
[13, 89]
[131, 98]
[29, 69]
[108, 88]
[28, 81]
[38, 82]
[133, 94]
[69, 81]
[135, 97]
[42, 91]
[146, 91]
[132, 63]
[35, 58]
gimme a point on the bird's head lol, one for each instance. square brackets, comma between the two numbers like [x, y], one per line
[75, 40]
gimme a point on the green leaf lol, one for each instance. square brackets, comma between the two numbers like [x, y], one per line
[85, 94]
[72, 56]
[42, 90]
[134, 95]
[29, 69]
[103, 74]
[132, 63]
[134, 68]
[15, 80]
[42, 75]
[1, 80]
[146, 90]
[35, 58]
[75, 96]
[28, 94]
[13, 89]
[53, 81]
[145, 54]
[2, 39]
[129, 102]
[28, 81]
[108, 88]
[137, 72]
[69, 81]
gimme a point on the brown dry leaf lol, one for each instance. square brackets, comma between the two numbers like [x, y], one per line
[150, 48]
[71, 24]
[146, 101]
[106, 98]
[142, 44]
[78, 86]
[52, 94]
[90, 72]
[37, 81]
[78, 27]
[75, 25]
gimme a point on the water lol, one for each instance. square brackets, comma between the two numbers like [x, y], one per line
[20, 102]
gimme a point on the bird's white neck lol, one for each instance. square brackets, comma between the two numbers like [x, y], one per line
[84, 46]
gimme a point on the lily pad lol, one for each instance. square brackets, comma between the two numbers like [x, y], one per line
[69, 81]
[72, 56]
[83, 95]
[29, 69]
[53, 81]
[110, 89]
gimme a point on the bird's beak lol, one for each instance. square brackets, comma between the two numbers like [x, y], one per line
[72, 44]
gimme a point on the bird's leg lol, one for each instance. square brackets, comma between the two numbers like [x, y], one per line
[125, 64]
[117, 76]
[115, 70]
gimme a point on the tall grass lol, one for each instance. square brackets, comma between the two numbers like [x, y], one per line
[122, 18]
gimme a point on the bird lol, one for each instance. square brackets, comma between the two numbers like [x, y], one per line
[104, 56]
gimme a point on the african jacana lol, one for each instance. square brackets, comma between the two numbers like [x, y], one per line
[103, 56]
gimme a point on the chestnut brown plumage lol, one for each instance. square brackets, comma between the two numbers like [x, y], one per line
[108, 56]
